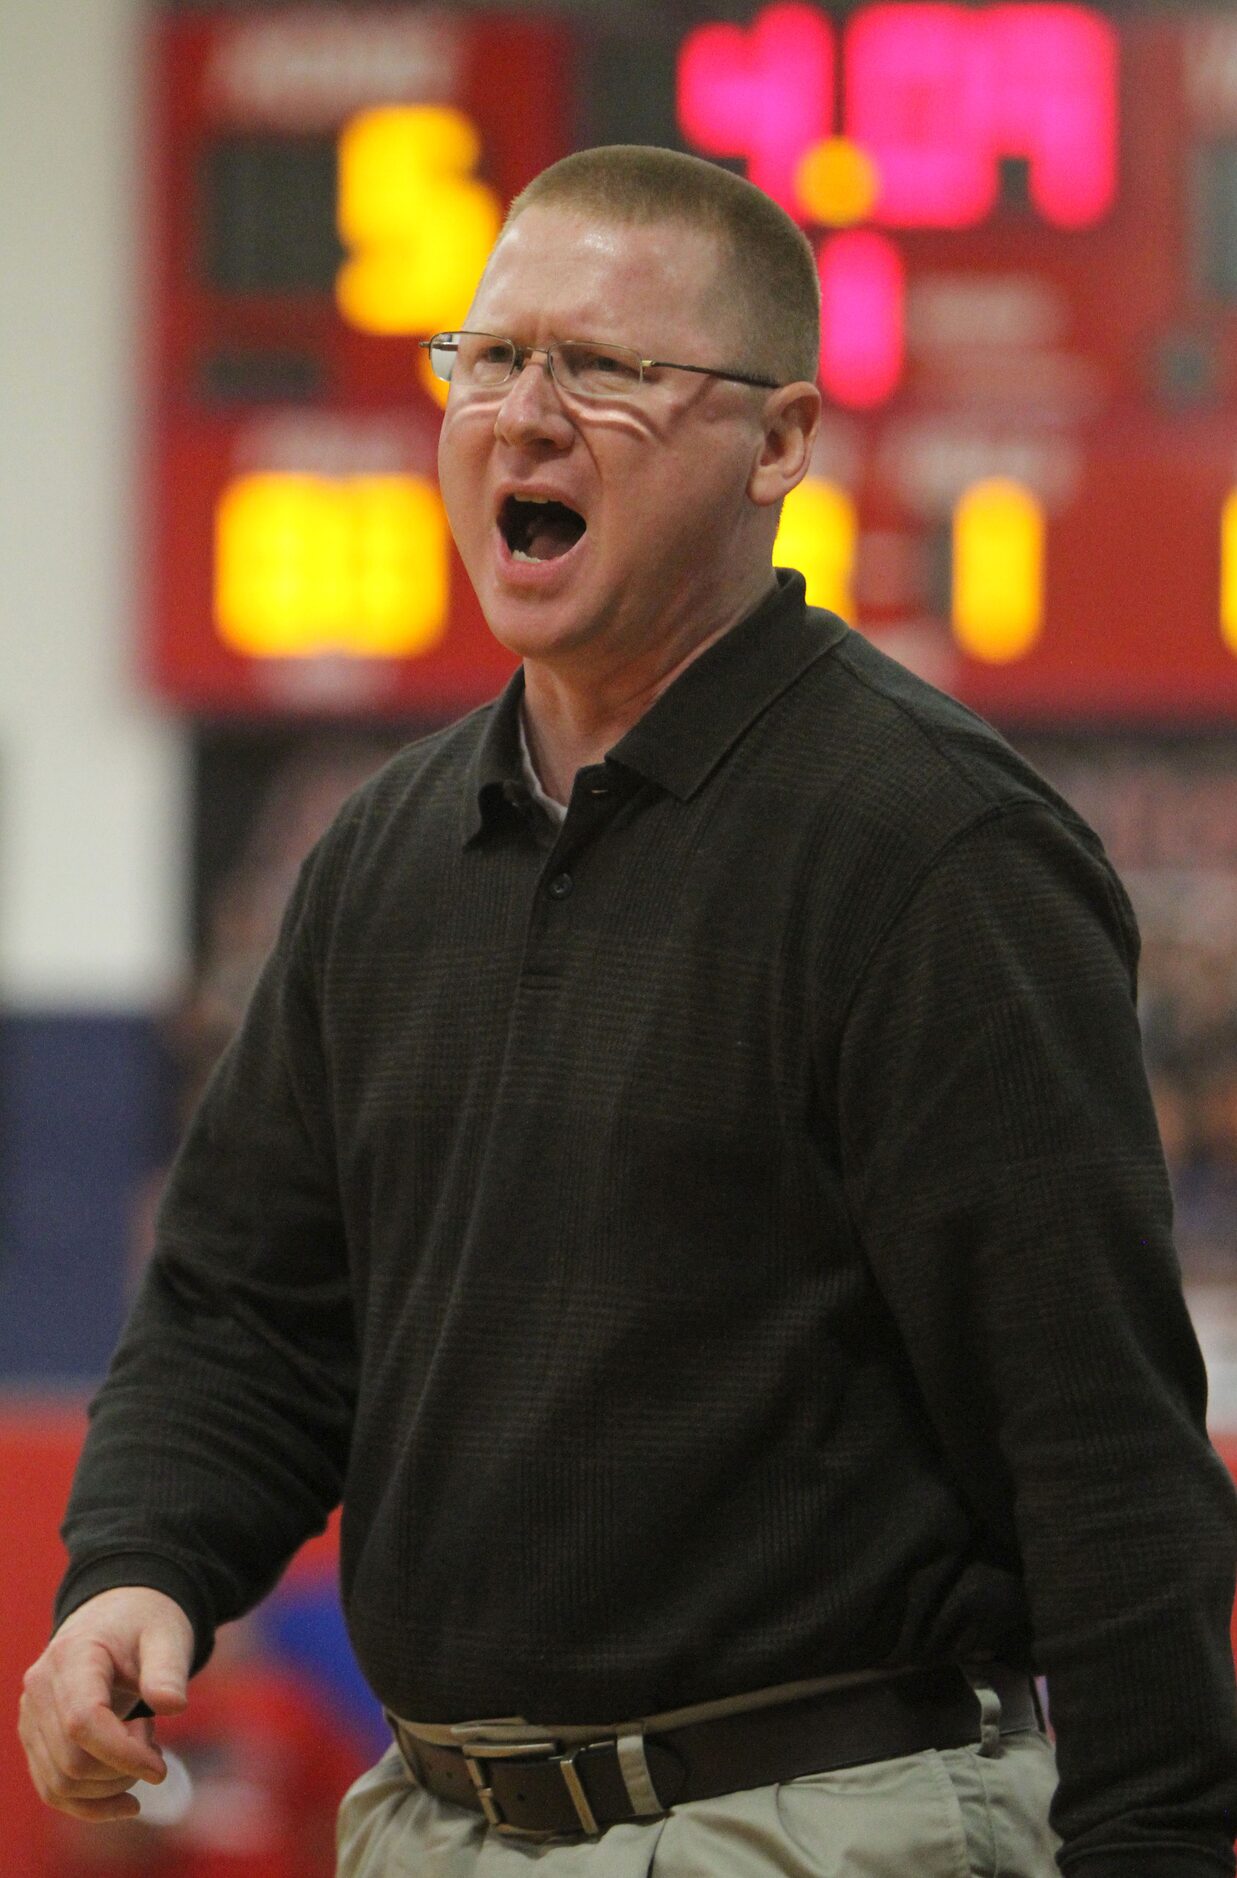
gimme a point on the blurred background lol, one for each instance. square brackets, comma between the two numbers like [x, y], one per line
[227, 591]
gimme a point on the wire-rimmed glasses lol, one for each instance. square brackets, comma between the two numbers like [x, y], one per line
[584, 368]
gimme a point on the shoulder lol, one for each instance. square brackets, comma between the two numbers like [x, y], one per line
[899, 786]
[885, 750]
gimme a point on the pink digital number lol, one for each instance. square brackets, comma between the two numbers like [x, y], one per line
[764, 93]
[915, 103]
[937, 95]
[1055, 97]
[863, 291]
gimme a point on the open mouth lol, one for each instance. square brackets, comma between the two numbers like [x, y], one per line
[538, 529]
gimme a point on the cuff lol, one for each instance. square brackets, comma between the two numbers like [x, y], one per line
[117, 1569]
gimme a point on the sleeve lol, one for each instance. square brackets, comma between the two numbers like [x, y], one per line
[219, 1438]
[1006, 1178]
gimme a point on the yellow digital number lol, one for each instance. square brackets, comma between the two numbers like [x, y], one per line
[1228, 574]
[818, 534]
[307, 566]
[417, 222]
[998, 571]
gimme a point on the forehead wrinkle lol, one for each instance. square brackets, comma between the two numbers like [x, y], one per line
[593, 262]
[517, 309]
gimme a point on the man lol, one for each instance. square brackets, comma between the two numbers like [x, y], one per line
[686, 1180]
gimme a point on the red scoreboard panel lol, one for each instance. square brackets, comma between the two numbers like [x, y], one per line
[325, 186]
[1025, 218]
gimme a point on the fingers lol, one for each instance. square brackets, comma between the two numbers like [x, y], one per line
[68, 1696]
[100, 1811]
[78, 1748]
[83, 1756]
[85, 1799]
[87, 1790]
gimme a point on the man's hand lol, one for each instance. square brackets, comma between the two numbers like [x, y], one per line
[121, 1645]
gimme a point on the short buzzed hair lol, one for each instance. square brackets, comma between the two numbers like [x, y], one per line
[766, 260]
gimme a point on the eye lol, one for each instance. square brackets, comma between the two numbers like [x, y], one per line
[483, 359]
[600, 368]
[607, 365]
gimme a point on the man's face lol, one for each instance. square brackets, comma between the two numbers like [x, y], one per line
[659, 480]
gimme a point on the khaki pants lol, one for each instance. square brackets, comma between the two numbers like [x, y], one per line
[949, 1813]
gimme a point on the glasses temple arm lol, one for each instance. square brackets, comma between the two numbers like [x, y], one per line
[711, 371]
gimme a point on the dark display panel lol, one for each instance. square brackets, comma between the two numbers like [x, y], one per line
[267, 215]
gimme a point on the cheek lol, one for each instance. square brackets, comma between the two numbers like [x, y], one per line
[447, 452]
[682, 499]
[461, 465]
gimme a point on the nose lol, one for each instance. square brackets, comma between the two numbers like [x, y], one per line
[531, 410]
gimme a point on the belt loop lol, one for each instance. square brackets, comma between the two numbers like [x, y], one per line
[989, 1713]
[637, 1777]
[408, 1749]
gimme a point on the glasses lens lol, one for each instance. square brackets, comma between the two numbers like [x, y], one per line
[442, 351]
[480, 359]
[598, 371]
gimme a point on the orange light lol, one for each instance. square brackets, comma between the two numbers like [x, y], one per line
[998, 571]
[417, 222]
[818, 535]
[837, 183]
[308, 565]
[764, 92]
[1228, 574]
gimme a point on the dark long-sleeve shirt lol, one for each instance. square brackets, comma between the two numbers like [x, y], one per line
[721, 1242]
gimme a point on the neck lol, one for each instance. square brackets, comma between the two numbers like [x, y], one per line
[573, 716]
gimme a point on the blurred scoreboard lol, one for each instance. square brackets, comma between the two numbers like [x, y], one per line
[1025, 220]
[325, 188]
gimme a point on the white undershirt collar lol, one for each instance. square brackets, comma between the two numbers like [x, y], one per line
[555, 810]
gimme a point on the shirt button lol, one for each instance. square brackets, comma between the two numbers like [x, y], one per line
[560, 886]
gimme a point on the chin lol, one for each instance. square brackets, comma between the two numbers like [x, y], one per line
[528, 636]
[530, 629]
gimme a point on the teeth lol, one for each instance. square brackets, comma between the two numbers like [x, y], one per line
[518, 554]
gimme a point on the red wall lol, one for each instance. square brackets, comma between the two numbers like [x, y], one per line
[38, 1444]
[39, 1441]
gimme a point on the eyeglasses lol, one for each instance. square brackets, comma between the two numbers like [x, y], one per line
[484, 362]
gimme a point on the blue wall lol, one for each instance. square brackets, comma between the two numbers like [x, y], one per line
[80, 1102]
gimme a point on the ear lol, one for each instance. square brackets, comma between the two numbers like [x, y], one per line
[791, 418]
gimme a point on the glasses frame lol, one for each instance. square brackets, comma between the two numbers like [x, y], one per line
[522, 354]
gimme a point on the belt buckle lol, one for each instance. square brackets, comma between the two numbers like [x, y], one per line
[478, 1751]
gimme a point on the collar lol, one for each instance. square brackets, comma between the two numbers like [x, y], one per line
[494, 785]
[689, 729]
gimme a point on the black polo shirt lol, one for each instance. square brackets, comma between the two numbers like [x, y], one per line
[718, 1242]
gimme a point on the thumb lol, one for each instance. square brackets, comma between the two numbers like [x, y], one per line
[163, 1668]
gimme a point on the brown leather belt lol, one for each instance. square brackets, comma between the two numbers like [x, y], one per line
[536, 1787]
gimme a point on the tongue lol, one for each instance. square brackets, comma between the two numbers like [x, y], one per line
[553, 534]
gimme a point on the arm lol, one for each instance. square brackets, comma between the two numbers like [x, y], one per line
[1005, 1175]
[219, 1440]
